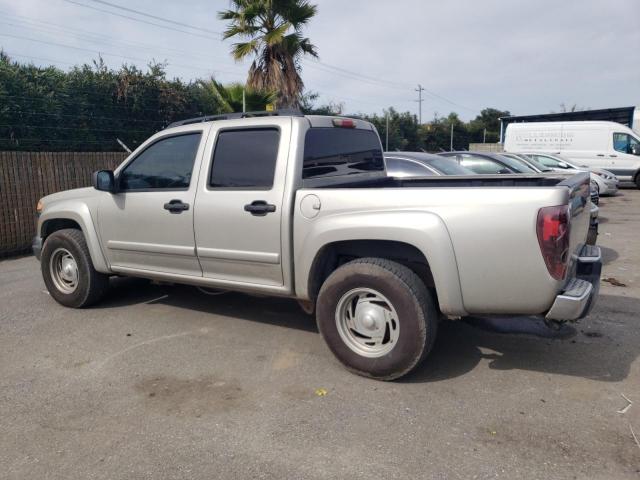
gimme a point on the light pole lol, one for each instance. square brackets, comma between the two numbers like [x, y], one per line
[419, 90]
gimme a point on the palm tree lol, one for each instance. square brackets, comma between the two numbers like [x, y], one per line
[272, 33]
[229, 97]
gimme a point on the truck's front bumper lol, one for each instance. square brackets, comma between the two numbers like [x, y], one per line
[36, 246]
[580, 292]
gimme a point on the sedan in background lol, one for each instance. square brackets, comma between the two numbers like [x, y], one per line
[488, 163]
[607, 182]
[419, 164]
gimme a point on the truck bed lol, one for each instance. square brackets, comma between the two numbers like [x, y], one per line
[449, 181]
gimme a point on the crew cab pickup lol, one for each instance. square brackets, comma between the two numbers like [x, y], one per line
[301, 206]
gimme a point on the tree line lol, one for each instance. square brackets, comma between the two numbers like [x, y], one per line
[89, 107]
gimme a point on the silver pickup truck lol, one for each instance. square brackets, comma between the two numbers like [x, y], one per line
[300, 206]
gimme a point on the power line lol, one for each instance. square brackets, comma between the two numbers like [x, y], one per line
[139, 20]
[138, 12]
[54, 28]
[19, 37]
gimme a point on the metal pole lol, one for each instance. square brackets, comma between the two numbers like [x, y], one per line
[484, 136]
[419, 90]
[386, 148]
[244, 101]
[451, 143]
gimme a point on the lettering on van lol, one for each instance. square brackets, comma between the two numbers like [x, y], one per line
[544, 138]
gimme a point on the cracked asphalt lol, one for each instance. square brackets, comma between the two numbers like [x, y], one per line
[165, 382]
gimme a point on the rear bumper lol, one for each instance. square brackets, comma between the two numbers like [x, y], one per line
[36, 246]
[579, 294]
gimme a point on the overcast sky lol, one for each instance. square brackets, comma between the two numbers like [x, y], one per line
[523, 56]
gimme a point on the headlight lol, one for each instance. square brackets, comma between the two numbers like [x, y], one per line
[39, 207]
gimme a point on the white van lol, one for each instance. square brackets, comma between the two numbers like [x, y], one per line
[607, 145]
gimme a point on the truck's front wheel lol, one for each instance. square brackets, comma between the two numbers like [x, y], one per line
[68, 271]
[377, 317]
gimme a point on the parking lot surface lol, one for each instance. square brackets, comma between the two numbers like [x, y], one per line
[168, 382]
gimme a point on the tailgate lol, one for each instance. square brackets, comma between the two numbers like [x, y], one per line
[580, 207]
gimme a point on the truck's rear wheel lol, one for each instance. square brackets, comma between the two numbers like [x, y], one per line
[377, 317]
[68, 271]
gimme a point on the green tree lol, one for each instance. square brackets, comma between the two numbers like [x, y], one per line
[403, 129]
[271, 33]
[230, 96]
[487, 121]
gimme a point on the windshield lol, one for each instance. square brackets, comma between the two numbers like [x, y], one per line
[519, 166]
[448, 166]
[539, 165]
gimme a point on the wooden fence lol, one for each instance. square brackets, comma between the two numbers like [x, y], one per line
[25, 177]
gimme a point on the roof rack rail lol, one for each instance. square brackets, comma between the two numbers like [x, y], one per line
[236, 115]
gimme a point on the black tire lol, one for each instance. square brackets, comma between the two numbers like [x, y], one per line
[91, 284]
[637, 180]
[414, 304]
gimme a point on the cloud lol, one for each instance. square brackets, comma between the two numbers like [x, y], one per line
[526, 57]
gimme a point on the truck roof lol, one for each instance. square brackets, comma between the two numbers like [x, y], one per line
[314, 120]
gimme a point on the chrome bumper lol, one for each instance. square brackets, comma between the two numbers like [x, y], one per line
[580, 292]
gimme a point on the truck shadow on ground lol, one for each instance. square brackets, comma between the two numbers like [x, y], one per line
[603, 347]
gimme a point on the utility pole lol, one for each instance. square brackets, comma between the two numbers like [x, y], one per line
[420, 90]
[484, 136]
[451, 143]
[244, 101]
[386, 147]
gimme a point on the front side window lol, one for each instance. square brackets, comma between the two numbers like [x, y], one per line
[245, 158]
[481, 165]
[624, 143]
[166, 164]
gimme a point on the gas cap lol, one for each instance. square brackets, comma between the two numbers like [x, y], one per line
[310, 206]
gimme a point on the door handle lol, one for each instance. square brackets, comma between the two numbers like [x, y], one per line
[176, 206]
[601, 155]
[259, 208]
[613, 156]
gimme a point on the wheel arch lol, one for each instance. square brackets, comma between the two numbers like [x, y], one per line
[418, 240]
[77, 216]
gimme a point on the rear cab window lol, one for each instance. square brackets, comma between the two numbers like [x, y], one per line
[333, 152]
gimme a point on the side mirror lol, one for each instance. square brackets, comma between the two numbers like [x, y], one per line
[504, 171]
[635, 149]
[104, 181]
[562, 165]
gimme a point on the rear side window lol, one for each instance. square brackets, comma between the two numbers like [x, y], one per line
[331, 152]
[245, 158]
[166, 164]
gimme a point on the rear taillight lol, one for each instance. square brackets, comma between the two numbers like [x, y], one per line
[553, 237]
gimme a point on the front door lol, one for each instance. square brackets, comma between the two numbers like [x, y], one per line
[148, 224]
[239, 208]
[625, 164]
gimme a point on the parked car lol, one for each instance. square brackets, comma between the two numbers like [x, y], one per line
[606, 145]
[417, 164]
[302, 207]
[607, 182]
[488, 163]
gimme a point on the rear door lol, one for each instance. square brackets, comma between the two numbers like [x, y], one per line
[239, 208]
